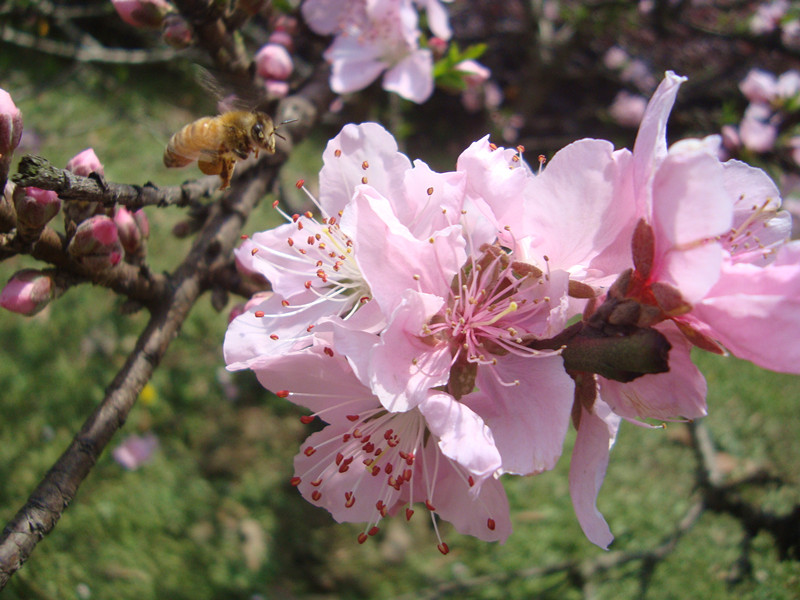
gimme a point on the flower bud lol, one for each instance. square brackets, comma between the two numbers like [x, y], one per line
[10, 124]
[85, 163]
[276, 89]
[177, 32]
[142, 13]
[438, 46]
[133, 229]
[95, 244]
[282, 38]
[273, 61]
[27, 292]
[35, 208]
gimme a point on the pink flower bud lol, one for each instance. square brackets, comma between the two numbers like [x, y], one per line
[35, 207]
[10, 124]
[438, 46]
[142, 13]
[475, 74]
[282, 38]
[273, 61]
[96, 244]
[177, 32]
[85, 163]
[276, 89]
[27, 292]
[132, 228]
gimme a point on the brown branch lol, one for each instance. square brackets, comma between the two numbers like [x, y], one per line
[211, 250]
[86, 54]
[37, 172]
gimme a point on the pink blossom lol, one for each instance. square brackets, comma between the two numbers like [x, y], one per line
[276, 88]
[35, 208]
[273, 61]
[367, 463]
[27, 292]
[133, 229]
[374, 38]
[628, 109]
[768, 16]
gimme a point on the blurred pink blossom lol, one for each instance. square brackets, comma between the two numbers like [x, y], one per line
[136, 450]
[10, 124]
[85, 163]
[628, 109]
[768, 16]
[273, 61]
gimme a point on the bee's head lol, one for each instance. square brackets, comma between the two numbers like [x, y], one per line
[263, 133]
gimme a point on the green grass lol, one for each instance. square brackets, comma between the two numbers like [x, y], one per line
[213, 515]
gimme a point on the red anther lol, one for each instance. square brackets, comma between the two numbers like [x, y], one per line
[379, 505]
[302, 251]
[362, 537]
[282, 393]
[365, 439]
[259, 314]
[321, 273]
[295, 216]
[368, 448]
[309, 328]
[520, 148]
[319, 264]
[470, 481]
[332, 221]
[307, 284]
[378, 452]
[300, 183]
[309, 450]
[407, 474]
[515, 158]
[409, 513]
[328, 351]
[275, 203]
[353, 418]
[490, 524]
[290, 241]
[350, 499]
[430, 191]
[368, 461]
[254, 251]
[363, 299]
[388, 433]
[316, 495]
[388, 468]
[284, 303]
[410, 459]
[273, 336]
[310, 240]
[337, 153]
[357, 434]
[542, 159]
[244, 236]
[365, 165]
[376, 470]
[295, 481]
[364, 180]
[393, 442]
[402, 454]
[299, 225]
[383, 511]
[308, 214]
[317, 482]
[339, 458]
[344, 468]
[375, 529]
[306, 419]
[346, 438]
[348, 460]
[317, 236]
[443, 548]
[492, 147]
[429, 506]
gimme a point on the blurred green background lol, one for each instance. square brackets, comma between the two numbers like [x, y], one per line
[213, 516]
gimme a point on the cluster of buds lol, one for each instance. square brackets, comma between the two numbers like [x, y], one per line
[98, 237]
[274, 61]
[156, 14]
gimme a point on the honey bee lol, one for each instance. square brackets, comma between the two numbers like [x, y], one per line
[216, 143]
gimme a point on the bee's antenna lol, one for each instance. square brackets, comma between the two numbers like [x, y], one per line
[275, 131]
